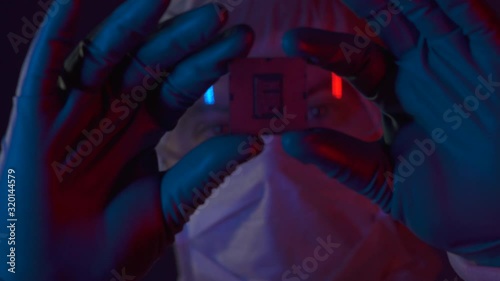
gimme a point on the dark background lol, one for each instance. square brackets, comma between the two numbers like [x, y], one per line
[11, 13]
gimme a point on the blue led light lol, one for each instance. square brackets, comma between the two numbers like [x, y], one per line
[209, 96]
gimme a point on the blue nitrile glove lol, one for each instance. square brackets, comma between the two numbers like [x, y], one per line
[79, 153]
[437, 85]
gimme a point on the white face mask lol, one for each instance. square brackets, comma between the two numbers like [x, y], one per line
[278, 219]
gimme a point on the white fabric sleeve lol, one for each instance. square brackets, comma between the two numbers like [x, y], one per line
[469, 271]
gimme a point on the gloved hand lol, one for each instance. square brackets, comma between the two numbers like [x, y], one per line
[437, 84]
[86, 199]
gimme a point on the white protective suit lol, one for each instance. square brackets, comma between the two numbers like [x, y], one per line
[278, 219]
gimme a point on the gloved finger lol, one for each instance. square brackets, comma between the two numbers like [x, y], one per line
[191, 181]
[178, 38]
[359, 165]
[49, 49]
[364, 68]
[371, 70]
[474, 17]
[385, 20]
[194, 75]
[429, 19]
[127, 27]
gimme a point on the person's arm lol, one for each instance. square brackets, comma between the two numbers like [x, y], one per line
[81, 194]
[438, 84]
